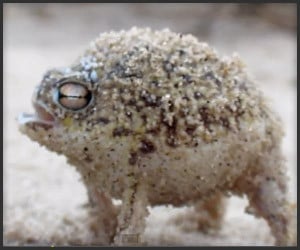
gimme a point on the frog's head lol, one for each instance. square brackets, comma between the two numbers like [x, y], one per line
[65, 109]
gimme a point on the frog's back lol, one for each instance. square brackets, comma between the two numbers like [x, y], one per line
[166, 83]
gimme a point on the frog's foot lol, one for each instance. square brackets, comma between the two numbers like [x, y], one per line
[210, 213]
[205, 216]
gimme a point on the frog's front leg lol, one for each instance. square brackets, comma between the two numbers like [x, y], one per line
[102, 212]
[265, 185]
[131, 219]
[103, 216]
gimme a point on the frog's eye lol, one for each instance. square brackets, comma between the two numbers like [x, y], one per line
[73, 96]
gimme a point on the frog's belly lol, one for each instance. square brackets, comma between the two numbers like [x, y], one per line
[177, 175]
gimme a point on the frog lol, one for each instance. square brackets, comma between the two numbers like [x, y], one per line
[155, 117]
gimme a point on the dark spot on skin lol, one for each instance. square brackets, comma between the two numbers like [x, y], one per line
[183, 112]
[132, 102]
[147, 146]
[238, 112]
[190, 129]
[115, 107]
[130, 174]
[224, 122]
[122, 68]
[121, 131]
[154, 131]
[238, 104]
[155, 83]
[149, 99]
[85, 149]
[144, 118]
[122, 90]
[268, 178]
[103, 120]
[198, 177]
[229, 109]
[241, 85]
[128, 114]
[185, 98]
[168, 68]
[187, 79]
[133, 74]
[139, 107]
[88, 158]
[218, 82]
[118, 70]
[171, 139]
[197, 95]
[171, 106]
[133, 158]
[210, 76]
[181, 52]
[130, 53]
[162, 193]
[203, 111]
[115, 181]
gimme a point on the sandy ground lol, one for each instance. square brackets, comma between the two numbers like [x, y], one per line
[43, 196]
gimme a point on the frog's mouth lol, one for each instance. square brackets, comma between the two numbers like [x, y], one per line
[41, 118]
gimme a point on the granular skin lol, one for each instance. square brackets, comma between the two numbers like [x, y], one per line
[156, 117]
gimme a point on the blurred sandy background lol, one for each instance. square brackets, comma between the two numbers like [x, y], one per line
[43, 196]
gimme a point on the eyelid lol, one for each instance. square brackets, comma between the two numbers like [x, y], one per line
[75, 90]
